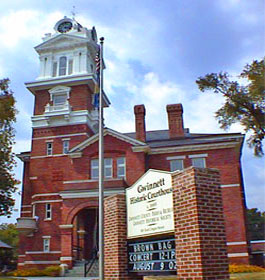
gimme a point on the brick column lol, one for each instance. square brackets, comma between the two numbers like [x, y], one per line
[199, 225]
[66, 245]
[115, 246]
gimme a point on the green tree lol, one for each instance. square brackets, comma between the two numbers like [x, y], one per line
[256, 224]
[243, 103]
[9, 235]
[7, 119]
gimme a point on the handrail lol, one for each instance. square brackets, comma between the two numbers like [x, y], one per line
[88, 264]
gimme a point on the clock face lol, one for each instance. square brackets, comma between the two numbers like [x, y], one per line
[65, 26]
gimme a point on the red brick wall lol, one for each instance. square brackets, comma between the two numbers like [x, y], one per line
[80, 99]
[199, 225]
[115, 247]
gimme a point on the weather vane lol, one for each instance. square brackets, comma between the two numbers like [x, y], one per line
[73, 12]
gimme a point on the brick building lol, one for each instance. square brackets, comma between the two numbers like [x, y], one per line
[59, 220]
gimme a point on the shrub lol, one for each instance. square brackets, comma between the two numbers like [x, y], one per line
[52, 270]
[48, 271]
[243, 268]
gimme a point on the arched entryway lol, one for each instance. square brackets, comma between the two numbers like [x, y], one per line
[85, 234]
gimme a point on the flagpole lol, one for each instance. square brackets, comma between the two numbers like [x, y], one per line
[101, 168]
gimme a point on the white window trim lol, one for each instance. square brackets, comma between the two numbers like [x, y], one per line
[48, 211]
[57, 60]
[198, 156]
[33, 210]
[176, 157]
[59, 90]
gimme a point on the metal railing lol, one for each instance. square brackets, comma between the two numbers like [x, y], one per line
[89, 263]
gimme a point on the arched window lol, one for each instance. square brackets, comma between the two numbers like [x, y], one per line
[62, 65]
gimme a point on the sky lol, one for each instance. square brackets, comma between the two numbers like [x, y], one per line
[154, 51]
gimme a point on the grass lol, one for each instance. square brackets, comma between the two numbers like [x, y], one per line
[247, 276]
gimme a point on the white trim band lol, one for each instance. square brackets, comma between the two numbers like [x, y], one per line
[44, 194]
[42, 252]
[176, 157]
[230, 185]
[42, 262]
[66, 258]
[257, 241]
[88, 194]
[236, 255]
[60, 136]
[198, 156]
[46, 201]
[66, 226]
[33, 178]
[237, 243]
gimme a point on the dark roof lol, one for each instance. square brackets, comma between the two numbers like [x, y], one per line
[160, 138]
[4, 245]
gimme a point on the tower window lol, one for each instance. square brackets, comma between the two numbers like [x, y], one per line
[121, 167]
[54, 69]
[70, 67]
[49, 148]
[59, 99]
[62, 65]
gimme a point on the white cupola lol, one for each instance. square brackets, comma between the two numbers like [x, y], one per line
[70, 51]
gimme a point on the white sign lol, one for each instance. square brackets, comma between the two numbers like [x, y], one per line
[150, 205]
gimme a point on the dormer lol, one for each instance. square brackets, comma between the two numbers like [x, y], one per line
[70, 51]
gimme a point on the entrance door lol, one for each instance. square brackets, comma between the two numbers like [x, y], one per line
[85, 234]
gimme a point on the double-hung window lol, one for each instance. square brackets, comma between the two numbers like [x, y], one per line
[198, 160]
[108, 167]
[65, 146]
[62, 65]
[94, 168]
[121, 167]
[46, 244]
[176, 162]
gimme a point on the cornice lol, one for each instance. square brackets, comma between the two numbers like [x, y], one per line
[88, 194]
[187, 148]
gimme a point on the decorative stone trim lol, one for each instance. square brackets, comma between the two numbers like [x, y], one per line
[66, 226]
[237, 255]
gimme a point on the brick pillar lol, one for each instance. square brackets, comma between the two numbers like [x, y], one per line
[66, 245]
[199, 225]
[115, 246]
[139, 112]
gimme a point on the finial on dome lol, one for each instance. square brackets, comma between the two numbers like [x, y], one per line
[73, 12]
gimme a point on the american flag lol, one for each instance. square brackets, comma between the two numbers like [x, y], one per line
[97, 60]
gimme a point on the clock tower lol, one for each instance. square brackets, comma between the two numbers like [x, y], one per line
[64, 89]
